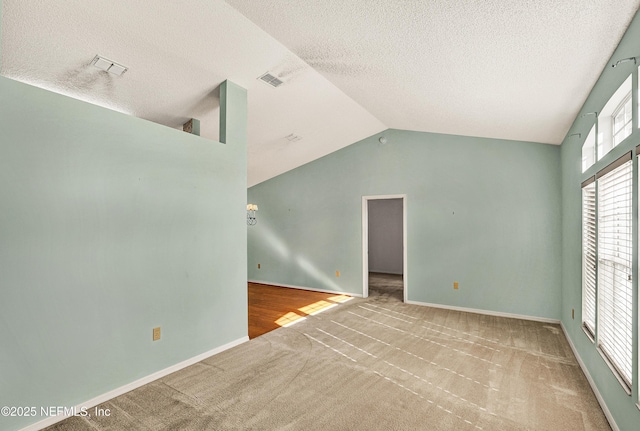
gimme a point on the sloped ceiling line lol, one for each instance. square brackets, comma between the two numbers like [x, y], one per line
[512, 69]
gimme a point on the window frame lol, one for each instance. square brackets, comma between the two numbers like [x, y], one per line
[589, 257]
[590, 143]
[605, 118]
[620, 191]
[621, 108]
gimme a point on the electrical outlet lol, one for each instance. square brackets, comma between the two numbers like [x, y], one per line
[258, 266]
[156, 333]
[337, 273]
[455, 285]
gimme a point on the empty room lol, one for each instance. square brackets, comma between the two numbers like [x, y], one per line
[442, 195]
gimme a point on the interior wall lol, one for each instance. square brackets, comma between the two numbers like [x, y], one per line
[385, 235]
[482, 212]
[110, 226]
[0, 34]
[622, 406]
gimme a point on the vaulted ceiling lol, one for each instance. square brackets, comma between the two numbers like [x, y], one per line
[502, 69]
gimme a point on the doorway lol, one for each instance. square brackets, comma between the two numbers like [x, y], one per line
[384, 245]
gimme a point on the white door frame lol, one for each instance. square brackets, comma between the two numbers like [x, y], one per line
[365, 242]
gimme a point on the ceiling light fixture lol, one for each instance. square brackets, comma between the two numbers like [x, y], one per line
[383, 140]
[270, 79]
[108, 65]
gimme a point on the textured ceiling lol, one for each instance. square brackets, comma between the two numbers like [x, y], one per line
[513, 69]
[516, 69]
[178, 52]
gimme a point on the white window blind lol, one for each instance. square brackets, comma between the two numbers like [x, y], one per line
[615, 322]
[589, 257]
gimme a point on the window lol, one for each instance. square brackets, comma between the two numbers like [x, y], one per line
[589, 256]
[622, 121]
[614, 254]
[589, 150]
[614, 122]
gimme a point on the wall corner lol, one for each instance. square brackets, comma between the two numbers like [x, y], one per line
[233, 113]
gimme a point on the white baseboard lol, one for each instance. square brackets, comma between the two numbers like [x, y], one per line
[603, 405]
[136, 384]
[312, 289]
[487, 312]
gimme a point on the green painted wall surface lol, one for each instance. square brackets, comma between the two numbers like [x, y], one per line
[622, 406]
[109, 226]
[234, 99]
[483, 212]
[0, 34]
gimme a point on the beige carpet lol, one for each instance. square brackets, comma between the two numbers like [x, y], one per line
[373, 364]
[388, 286]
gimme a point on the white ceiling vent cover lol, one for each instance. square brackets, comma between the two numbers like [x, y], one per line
[108, 65]
[271, 80]
[293, 138]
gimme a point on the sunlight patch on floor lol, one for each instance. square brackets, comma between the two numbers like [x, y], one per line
[293, 317]
[316, 307]
[392, 311]
[329, 347]
[463, 340]
[465, 333]
[405, 371]
[340, 298]
[390, 380]
[288, 319]
[426, 339]
[413, 355]
[387, 315]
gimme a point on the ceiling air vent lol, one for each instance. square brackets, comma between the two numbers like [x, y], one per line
[293, 138]
[268, 78]
[108, 65]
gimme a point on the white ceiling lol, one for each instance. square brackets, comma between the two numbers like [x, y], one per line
[517, 69]
[512, 69]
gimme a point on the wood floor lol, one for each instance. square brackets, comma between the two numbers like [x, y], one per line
[271, 307]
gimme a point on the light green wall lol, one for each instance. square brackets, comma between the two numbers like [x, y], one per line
[622, 406]
[109, 226]
[0, 34]
[234, 100]
[483, 212]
